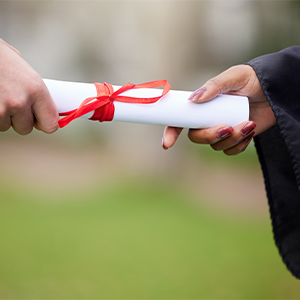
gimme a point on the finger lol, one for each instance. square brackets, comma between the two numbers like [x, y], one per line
[241, 146]
[45, 111]
[210, 135]
[18, 111]
[230, 81]
[240, 134]
[5, 122]
[170, 136]
[22, 121]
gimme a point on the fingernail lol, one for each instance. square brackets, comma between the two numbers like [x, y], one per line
[249, 138]
[197, 94]
[225, 132]
[248, 128]
[164, 147]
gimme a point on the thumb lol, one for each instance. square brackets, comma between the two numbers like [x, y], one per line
[170, 136]
[230, 81]
[45, 111]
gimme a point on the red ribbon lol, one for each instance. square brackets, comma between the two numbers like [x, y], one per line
[103, 103]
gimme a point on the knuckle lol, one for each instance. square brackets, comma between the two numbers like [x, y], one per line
[36, 86]
[202, 136]
[209, 135]
[17, 103]
[215, 81]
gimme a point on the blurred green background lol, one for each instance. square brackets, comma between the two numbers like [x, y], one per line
[100, 211]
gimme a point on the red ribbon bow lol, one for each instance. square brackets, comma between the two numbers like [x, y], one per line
[103, 103]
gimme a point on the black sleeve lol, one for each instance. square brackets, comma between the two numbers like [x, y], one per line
[279, 149]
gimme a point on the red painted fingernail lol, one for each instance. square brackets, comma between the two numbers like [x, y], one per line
[249, 138]
[248, 128]
[225, 132]
[197, 94]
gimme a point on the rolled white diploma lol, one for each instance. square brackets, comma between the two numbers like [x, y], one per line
[173, 109]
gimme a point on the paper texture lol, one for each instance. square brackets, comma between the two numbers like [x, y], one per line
[173, 109]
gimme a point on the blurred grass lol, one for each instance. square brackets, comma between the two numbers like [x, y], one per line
[137, 239]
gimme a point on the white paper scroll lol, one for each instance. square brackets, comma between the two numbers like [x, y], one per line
[173, 109]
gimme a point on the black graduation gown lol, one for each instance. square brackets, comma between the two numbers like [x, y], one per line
[278, 149]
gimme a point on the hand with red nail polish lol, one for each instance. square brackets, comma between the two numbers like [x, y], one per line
[238, 80]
